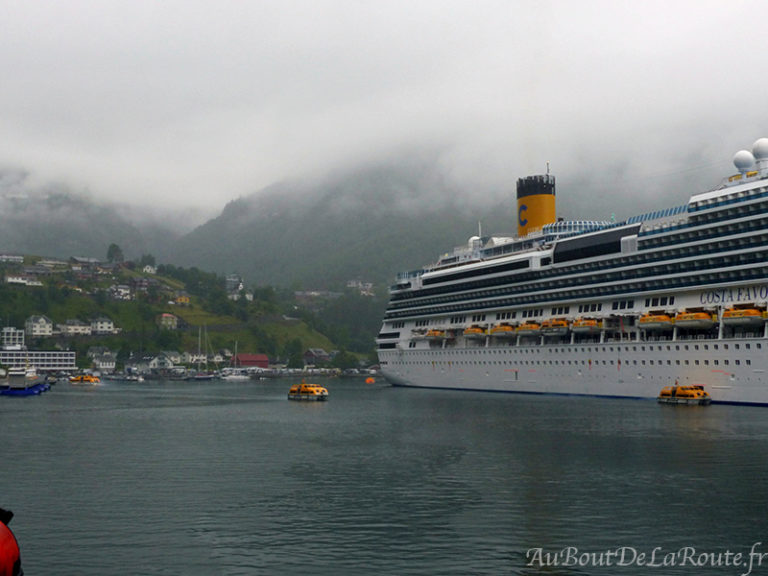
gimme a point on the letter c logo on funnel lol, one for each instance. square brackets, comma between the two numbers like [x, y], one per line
[522, 221]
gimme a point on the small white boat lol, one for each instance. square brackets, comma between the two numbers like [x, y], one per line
[235, 374]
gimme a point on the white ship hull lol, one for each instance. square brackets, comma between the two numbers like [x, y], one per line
[737, 372]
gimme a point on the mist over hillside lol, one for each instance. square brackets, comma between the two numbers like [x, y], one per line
[53, 220]
[367, 224]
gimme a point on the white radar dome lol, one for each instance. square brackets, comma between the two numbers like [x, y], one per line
[760, 149]
[743, 160]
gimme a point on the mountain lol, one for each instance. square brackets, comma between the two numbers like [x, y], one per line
[56, 222]
[367, 224]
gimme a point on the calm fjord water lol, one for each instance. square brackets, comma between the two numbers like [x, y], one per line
[231, 478]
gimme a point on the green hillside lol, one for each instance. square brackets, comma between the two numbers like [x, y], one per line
[209, 323]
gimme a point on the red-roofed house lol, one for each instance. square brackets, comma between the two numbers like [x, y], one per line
[250, 360]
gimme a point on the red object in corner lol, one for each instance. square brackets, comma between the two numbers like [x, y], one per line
[10, 561]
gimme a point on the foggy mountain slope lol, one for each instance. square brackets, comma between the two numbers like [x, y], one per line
[366, 225]
[56, 222]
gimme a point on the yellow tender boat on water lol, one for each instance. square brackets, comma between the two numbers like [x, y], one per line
[85, 379]
[692, 395]
[306, 391]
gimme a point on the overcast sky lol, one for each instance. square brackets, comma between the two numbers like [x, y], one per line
[202, 102]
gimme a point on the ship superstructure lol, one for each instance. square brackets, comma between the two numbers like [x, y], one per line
[597, 307]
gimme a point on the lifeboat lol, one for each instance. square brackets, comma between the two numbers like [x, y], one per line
[435, 335]
[304, 391]
[555, 327]
[656, 322]
[85, 379]
[529, 328]
[693, 395]
[475, 332]
[586, 326]
[694, 320]
[743, 317]
[503, 330]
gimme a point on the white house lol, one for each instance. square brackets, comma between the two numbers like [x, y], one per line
[74, 327]
[102, 325]
[120, 292]
[36, 326]
[105, 362]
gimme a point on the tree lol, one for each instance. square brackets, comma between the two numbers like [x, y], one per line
[146, 260]
[115, 253]
[344, 360]
[294, 352]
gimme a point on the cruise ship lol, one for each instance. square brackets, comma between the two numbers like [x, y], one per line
[619, 309]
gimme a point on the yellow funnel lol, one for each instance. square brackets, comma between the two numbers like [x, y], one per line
[535, 203]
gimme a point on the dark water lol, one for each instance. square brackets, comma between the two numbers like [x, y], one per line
[231, 478]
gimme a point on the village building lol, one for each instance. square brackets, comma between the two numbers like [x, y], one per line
[315, 356]
[105, 362]
[38, 326]
[74, 327]
[168, 321]
[12, 338]
[250, 361]
[103, 325]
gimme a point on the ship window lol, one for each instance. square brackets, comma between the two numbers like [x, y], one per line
[726, 362]
[696, 362]
[736, 346]
[687, 362]
[737, 362]
[677, 362]
[655, 302]
[749, 362]
[717, 362]
[669, 362]
[716, 346]
[725, 346]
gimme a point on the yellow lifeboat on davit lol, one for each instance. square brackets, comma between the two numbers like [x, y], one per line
[694, 320]
[435, 335]
[743, 317]
[555, 327]
[655, 321]
[503, 330]
[529, 328]
[304, 391]
[586, 326]
[693, 395]
[475, 332]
